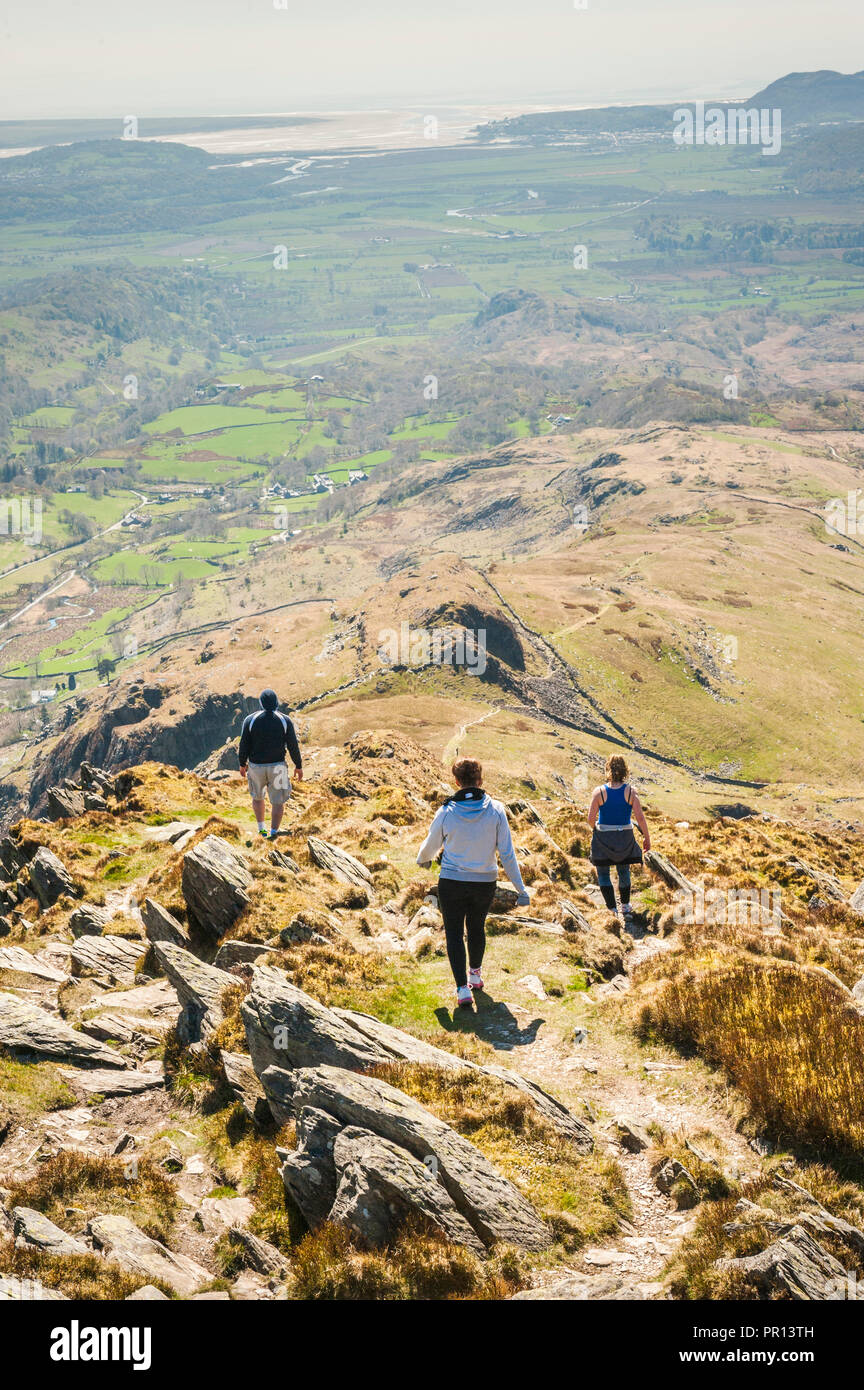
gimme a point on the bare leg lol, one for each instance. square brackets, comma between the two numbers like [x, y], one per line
[276, 814]
[258, 808]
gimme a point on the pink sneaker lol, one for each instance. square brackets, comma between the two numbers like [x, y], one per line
[464, 997]
[475, 979]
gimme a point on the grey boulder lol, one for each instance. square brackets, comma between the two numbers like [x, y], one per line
[49, 877]
[216, 883]
[160, 925]
[25, 1029]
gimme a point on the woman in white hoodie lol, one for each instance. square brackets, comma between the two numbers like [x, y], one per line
[469, 829]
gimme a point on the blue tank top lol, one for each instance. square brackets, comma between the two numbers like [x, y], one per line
[615, 810]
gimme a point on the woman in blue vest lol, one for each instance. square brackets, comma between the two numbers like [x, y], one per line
[614, 807]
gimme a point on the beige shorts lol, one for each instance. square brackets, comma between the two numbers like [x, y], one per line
[272, 778]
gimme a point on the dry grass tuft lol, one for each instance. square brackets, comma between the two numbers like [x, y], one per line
[788, 1037]
[88, 1277]
[329, 1265]
[100, 1185]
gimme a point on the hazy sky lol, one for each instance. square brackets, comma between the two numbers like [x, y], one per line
[160, 57]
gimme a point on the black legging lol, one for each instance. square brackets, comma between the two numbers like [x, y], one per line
[464, 906]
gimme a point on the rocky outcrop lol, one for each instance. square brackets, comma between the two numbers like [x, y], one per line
[117, 1083]
[248, 1091]
[31, 1228]
[795, 1265]
[666, 870]
[494, 1209]
[49, 877]
[199, 987]
[258, 1254]
[16, 958]
[88, 920]
[309, 1173]
[287, 1028]
[381, 1185]
[63, 803]
[159, 925]
[216, 884]
[233, 953]
[26, 1030]
[122, 1241]
[110, 959]
[124, 726]
[339, 863]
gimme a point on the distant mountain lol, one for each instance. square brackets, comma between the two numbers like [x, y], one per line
[805, 98]
[815, 96]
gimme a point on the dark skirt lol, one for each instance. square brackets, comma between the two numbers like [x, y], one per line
[614, 847]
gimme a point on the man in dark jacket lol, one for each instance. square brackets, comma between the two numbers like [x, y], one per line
[266, 736]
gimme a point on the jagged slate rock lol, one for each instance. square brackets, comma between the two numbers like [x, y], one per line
[49, 877]
[281, 860]
[153, 1007]
[286, 1027]
[147, 1293]
[566, 1124]
[858, 991]
[31, 1228]
[380, 1185]
[519, 806]
[93, 801]
[199, 986]
[259, 1254]
[278, 1087]
[822, 1223]
[856, 902]
[64, 803]
[114, 1029]
[299, 932]
[795, 1264]
[16, 958]
[215, 884]
[240, 1075]
[495, 1209]
[339, 863]
[14, 1290]
[88, 920]
[25, 1028]
[95, 779]
[121, 1240]
[828, 885]
[572, 917]
[109, 958]
[110, 1083]
[402, 1046]
[239, 953]
[630, 1135]
[667, 871]
[309, 1173]
[159, 925]
[673, 1172]
[12, 857]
